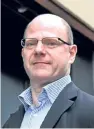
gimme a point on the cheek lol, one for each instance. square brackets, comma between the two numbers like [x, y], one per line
[60, 57]
[26, 58]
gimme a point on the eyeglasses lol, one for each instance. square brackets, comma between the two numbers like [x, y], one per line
[49, 42]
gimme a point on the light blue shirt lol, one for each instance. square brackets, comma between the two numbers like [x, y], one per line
[34, 115]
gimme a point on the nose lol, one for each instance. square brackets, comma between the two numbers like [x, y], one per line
[40, 48]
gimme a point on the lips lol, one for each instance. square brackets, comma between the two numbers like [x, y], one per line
[40, 63]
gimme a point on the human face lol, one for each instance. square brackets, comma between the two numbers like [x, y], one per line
[43, 63]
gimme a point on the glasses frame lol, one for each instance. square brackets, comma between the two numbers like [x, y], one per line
[22, 41]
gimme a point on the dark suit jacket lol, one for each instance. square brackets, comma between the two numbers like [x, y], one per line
[73, 108]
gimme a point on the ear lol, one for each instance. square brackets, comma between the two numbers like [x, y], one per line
[73, 51]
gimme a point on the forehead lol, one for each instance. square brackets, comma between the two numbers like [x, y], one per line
[47, 26]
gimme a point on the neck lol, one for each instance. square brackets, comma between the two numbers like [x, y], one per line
[36, 90]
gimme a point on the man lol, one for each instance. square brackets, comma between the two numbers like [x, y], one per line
[52, 100]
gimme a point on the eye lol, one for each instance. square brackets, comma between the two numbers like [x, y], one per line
[30, 44]
[51, 44]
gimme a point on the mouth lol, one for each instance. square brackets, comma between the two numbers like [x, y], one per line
[41, 63]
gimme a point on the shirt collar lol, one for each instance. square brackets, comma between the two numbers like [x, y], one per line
[52, 90]
[26, 98]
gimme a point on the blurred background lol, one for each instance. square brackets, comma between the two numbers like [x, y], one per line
[16, 14]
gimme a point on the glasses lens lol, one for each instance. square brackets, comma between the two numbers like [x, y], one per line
[51, 42]
[30, 43]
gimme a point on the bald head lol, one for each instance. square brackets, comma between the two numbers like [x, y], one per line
[50, 21]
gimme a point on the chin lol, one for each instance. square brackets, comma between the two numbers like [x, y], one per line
[41, 74]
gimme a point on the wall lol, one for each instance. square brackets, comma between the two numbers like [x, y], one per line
[10, 89]
[82, 74]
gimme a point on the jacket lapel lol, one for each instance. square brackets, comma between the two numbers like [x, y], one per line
[65, 99]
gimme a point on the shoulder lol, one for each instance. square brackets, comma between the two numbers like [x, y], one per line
[85, 97]
[85, 105]
[82, 97]
[84, 102]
